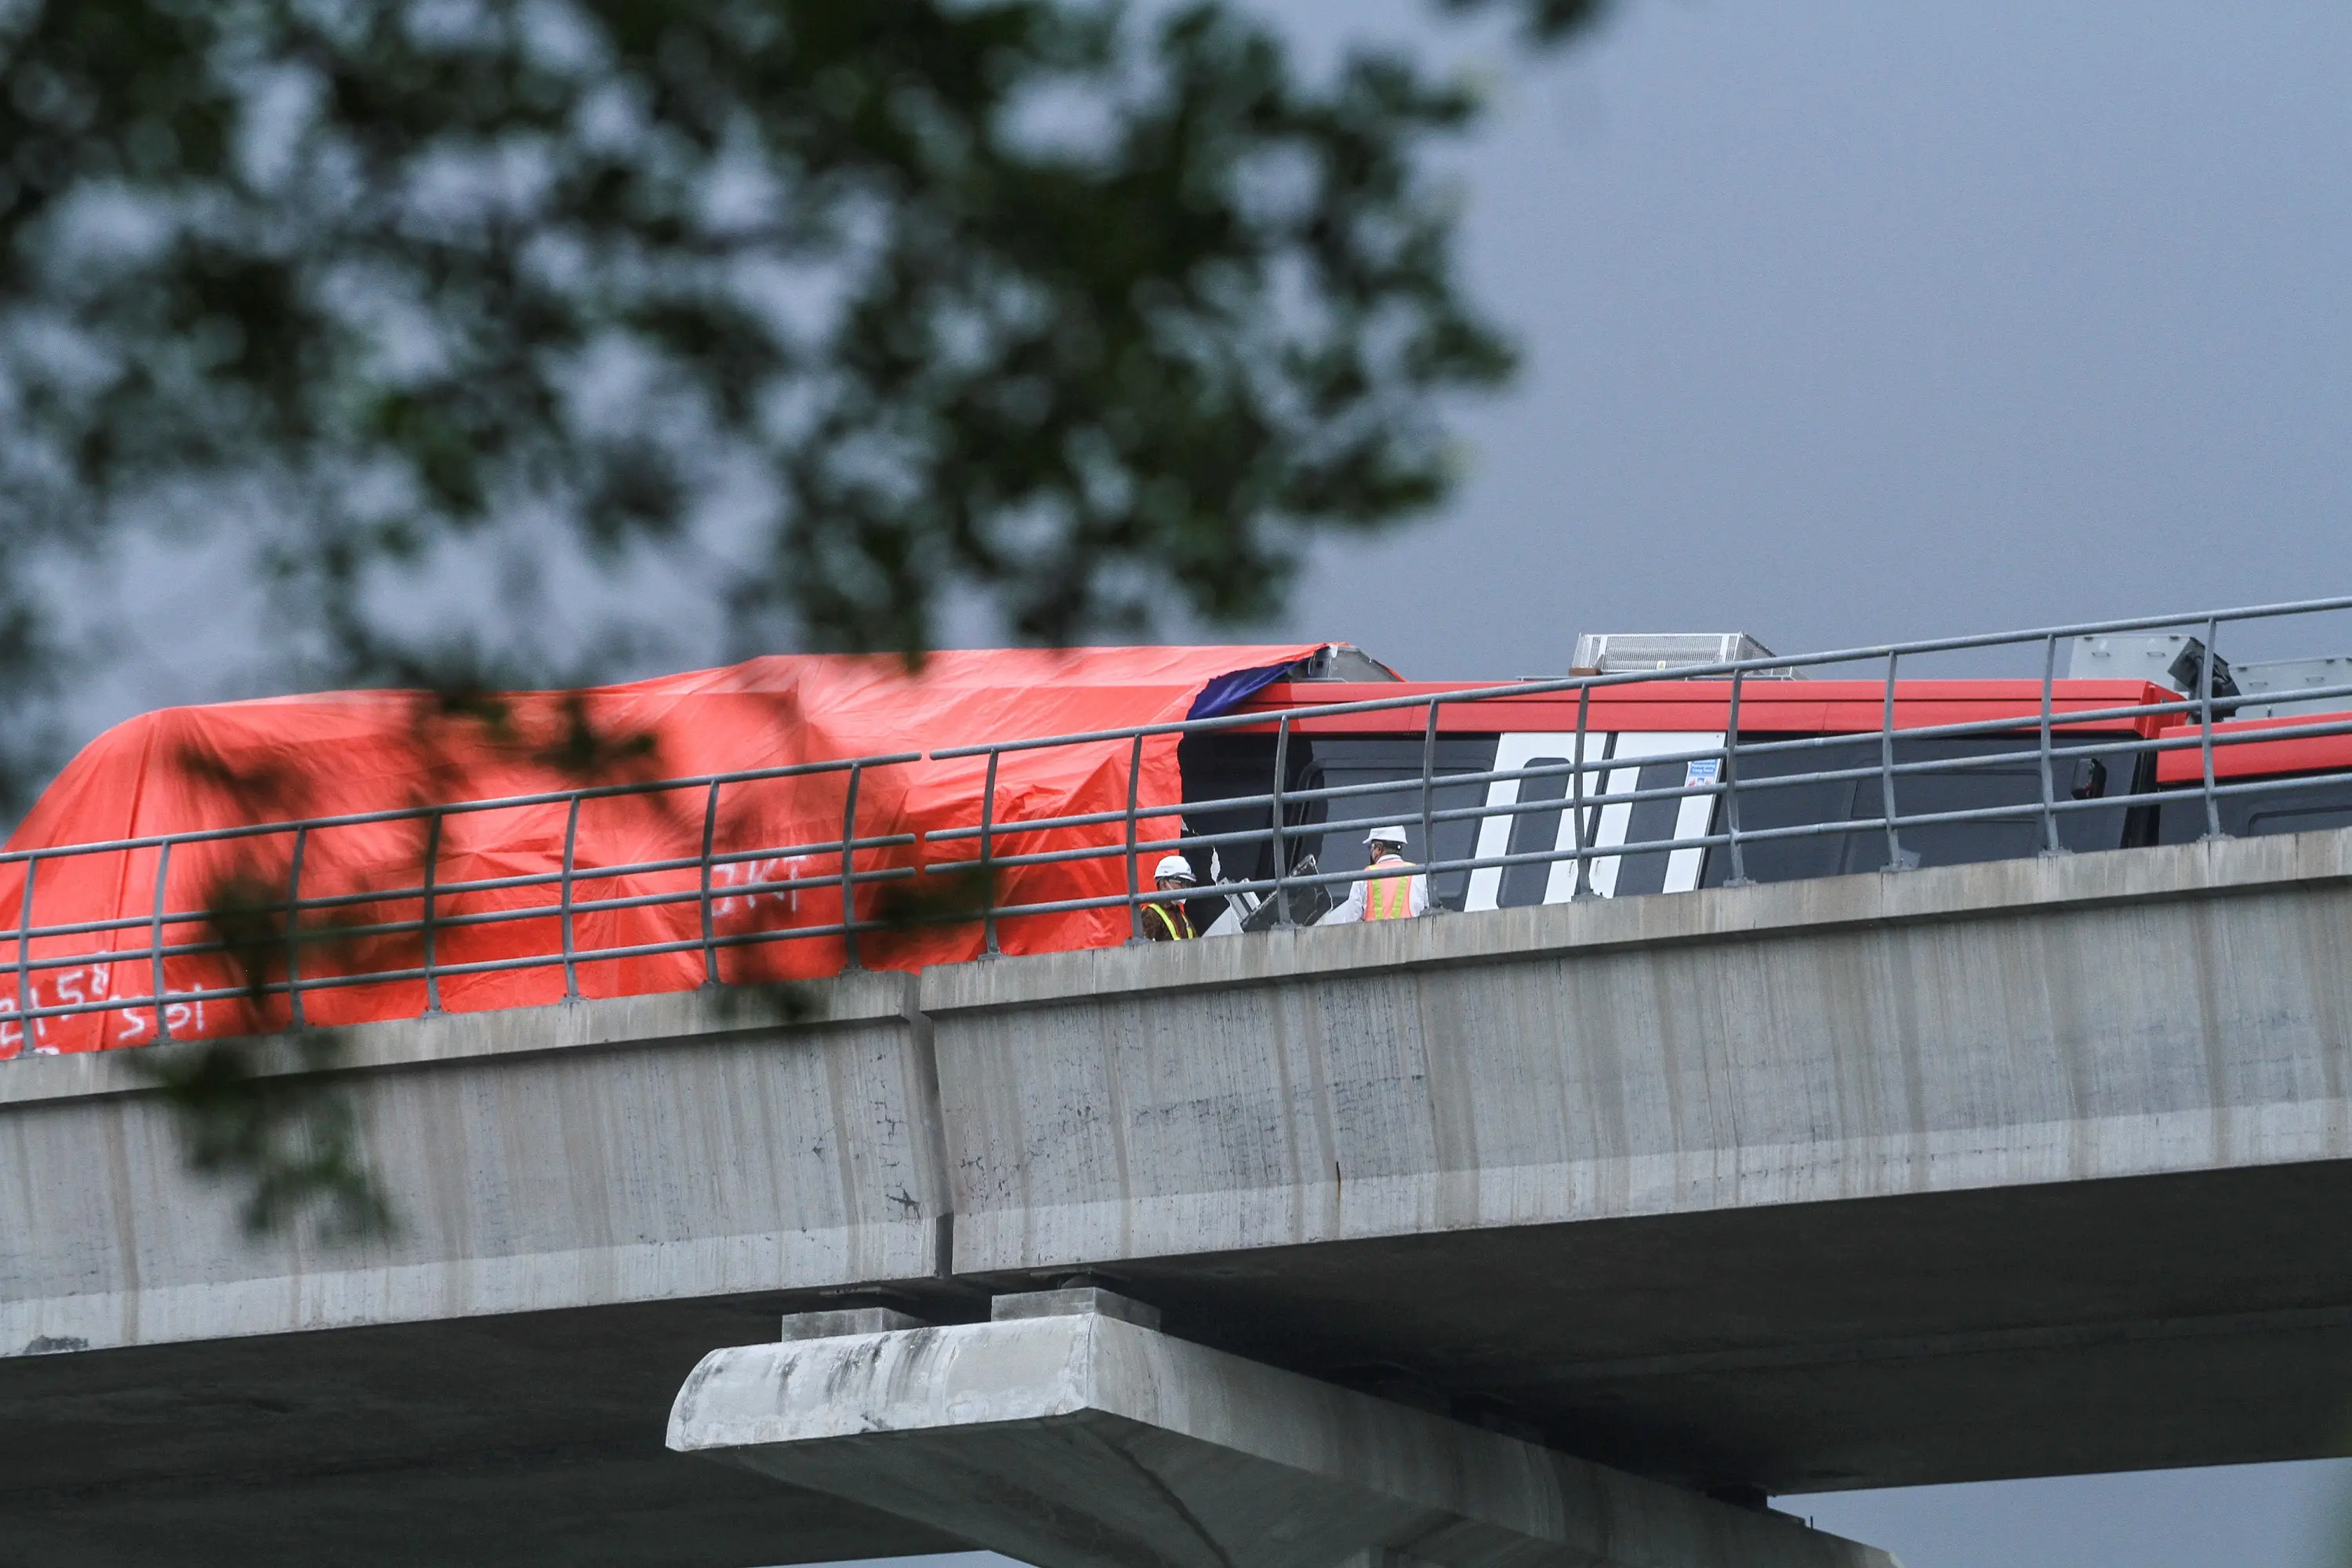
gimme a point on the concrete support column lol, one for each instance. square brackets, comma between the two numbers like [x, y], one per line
[1084, 1437]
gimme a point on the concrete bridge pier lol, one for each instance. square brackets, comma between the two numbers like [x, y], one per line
[1069, 1431]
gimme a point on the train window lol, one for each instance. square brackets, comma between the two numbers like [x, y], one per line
[1532, 833]
[1635, 821]
[1621, 764]
[1652, 822]
[2309, 817]
[1396, 762]
[2088, 773]
[1221, 766]
[1218, 766]
[2297, 807]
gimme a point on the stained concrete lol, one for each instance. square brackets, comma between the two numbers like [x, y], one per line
[654, 1148]
[2028, 1167]
[1083, 1439]
[529, 1440]
[589, 1199]
[2001, 1025]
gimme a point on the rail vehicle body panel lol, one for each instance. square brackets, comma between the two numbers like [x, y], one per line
[2283, 774]
[1653, 775]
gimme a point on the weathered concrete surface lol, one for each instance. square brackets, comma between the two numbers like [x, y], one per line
[589, 1197]
[2005, 1168]
[544, 1158]
[2013, 1023]
[1087, 1441]
[532, 1440]
[2020, 1168]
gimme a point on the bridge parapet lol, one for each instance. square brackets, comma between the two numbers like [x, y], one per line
[2064, 1018]
[2012, 1168]
[642, 1149]
[2107, 1016]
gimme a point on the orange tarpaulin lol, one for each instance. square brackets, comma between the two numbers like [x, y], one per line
[347, 753]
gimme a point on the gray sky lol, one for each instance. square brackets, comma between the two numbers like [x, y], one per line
[2252, 1516]
[1848, 322]
[1842, 322]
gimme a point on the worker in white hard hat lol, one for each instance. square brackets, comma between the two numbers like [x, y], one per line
[1164, 919]
[1393, 892]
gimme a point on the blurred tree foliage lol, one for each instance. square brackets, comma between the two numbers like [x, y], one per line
[1086, 311]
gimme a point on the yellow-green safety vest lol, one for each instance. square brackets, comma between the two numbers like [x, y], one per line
[1175, 922]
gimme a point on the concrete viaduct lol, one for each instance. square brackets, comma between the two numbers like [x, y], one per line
[1447, 1239]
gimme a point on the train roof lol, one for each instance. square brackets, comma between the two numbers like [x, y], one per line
[1766, 707]
[2254, 748]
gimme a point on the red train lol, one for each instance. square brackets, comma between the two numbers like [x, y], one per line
[142, 879]
[1964, 755]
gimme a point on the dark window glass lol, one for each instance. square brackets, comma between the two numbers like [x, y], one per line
[2089, 770]
[1396, 762]
[2295, 807]
[1652, 822]
[1532, 833]
[1222, 766]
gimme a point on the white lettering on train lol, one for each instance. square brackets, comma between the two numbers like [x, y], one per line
[750, 873]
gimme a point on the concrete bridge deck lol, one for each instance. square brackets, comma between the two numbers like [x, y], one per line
[2025, 1167]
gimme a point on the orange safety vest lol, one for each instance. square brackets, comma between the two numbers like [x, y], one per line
[1390, 898]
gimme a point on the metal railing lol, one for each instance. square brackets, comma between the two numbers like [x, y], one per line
[1738, 778]
[2040, 730]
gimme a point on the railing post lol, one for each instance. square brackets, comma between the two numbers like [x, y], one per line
[24, 962]
[294, 931]
[1730, 785]
[2050, 845]
[1583, 887]
[155, 946]
[1281, 770]
[1588, 800]
[2205, 727]
[709, 928]
[848, 871]
[1886, 771]
[1428, 805]
[1134, 871]
[570, 841]
[987, 857]
[432, 861]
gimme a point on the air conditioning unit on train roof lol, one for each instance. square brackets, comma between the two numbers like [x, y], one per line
[1341, 661]
[2166, 659]
[1626, 653]
[2278, 685]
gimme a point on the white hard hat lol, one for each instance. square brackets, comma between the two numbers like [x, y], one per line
[1173, 865]
[1386, 836]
